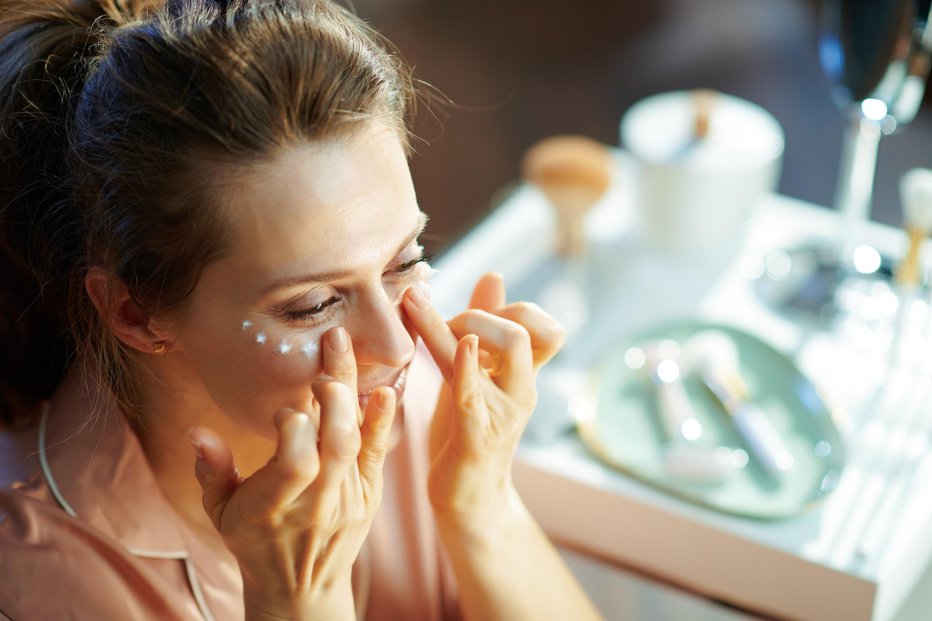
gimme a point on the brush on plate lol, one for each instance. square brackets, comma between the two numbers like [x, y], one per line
[716, 360]
[687, 455]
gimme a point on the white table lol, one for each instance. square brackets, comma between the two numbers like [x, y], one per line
[859, 555]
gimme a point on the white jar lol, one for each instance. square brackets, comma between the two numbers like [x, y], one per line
[695, 193]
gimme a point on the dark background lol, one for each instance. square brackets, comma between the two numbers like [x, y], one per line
[520, 70]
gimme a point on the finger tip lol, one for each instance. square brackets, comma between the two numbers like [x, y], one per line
[388, 400]
[469, 341]
[338, 343]
[194, 438]
[283, 415]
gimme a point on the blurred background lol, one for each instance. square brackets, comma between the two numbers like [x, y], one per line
[520, 70]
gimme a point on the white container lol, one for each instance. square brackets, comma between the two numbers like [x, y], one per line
[695, 194]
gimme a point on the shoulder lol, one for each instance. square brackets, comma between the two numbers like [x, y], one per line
[57, 567]
[46, 553]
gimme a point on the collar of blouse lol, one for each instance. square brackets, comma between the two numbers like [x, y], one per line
[97, 472]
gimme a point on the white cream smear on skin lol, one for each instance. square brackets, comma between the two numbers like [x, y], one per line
[308, 346]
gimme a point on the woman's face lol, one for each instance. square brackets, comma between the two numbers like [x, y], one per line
[323, 235]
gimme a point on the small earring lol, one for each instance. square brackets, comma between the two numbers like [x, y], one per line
[159, 347]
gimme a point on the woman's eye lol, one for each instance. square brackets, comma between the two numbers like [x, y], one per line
[409, 265]
[313, 311]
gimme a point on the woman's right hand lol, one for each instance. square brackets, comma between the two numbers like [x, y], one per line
[297, 524]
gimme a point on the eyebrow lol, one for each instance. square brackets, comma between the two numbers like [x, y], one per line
[328, 276]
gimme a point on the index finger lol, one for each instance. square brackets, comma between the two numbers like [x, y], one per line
[339, 361]
[440, 341]
[489, 292]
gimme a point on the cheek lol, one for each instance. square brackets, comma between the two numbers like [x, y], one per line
[281, 358]
[259, 370]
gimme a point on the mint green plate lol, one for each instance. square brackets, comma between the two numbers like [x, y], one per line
[618, 420]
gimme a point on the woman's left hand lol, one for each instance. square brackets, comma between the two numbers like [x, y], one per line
[489, 356]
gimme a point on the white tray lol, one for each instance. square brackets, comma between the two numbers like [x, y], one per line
[856, 556]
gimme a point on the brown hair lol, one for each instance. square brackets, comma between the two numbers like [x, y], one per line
[119, 122]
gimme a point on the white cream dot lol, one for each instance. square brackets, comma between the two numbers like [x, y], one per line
[309, 349]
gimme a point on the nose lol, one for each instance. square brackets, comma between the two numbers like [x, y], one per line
[380, 332]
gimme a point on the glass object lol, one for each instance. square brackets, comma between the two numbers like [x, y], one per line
[876, 53]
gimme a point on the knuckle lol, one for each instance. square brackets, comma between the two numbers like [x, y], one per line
[556, 333]
[319, 386]
[516, 336]
[345, 364]
[329, 390]
[436, 323]
[376, 453]
[469, 400]
[381, 427]
[531, 400]
[470, 319]
[345, 445]
[525, 310]
[305, 469]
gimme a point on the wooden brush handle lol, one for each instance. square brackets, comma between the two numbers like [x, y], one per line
[907, 272]
[573, 172]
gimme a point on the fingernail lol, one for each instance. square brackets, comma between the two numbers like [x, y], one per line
[420, 300]
[198, 447]
[473, 345]
[337, 340]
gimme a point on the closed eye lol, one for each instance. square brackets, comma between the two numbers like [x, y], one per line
[408, 265]
[313, 312]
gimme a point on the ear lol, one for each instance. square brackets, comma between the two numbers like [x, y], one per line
[131, 325]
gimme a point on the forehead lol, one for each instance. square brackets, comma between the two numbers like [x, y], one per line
[340, 203]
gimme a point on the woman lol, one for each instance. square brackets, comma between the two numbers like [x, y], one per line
[213, 315]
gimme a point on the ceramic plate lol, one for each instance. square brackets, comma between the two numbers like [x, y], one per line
[618, 419]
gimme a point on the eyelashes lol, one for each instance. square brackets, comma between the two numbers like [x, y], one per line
[406, 267]
[318, 312]
[324, 311]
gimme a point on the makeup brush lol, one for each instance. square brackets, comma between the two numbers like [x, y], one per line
[916, 195]
[716, 358]
[573, 172]
[703, 100]
[703, 103]
[686, 455]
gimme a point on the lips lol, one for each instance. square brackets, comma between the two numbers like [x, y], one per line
[396, 383]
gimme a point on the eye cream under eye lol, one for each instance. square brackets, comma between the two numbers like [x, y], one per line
[307, 345]
[310, 349]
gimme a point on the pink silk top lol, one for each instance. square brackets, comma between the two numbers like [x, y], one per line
[85, 532]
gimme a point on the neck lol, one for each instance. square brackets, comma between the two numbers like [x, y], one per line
[162, 431]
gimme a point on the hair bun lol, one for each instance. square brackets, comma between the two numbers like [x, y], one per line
[45, 46]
